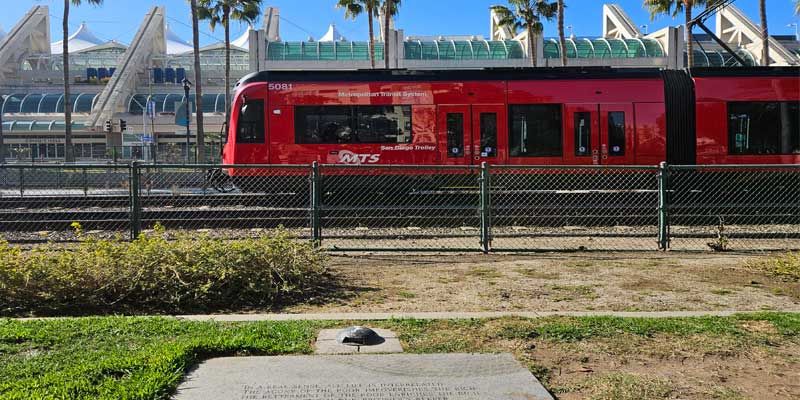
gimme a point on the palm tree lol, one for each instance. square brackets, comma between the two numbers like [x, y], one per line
[222, 12]
[561, 38]
[391, 8]
[198, 87]
[354, 8]
[673, 8]
[69, 154]
[797, 7]
[527, 15]
[764, 33]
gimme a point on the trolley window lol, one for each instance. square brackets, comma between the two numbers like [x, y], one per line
[455, 134]
[488, 134]
[352, 124]
[535, 130]
[250, 126]
[616, 133]
[583, 133]
[764, 128]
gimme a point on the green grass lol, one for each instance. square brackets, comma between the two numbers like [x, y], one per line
[146, 358]
[126, 358]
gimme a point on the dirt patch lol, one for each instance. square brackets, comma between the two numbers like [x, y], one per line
[553, 282]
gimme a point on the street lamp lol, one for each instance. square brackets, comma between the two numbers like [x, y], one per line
[796, 32]
[646, 29]
[186, 86]
[2, 143]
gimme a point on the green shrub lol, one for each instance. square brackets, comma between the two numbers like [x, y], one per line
[152, 274]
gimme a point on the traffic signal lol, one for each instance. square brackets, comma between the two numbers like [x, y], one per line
[123, 125]
[108, 125]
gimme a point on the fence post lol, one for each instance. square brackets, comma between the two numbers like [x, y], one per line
[663, 211]
[316, 197]
[85, 182]
[135, 216]
[22, 182]
[486, 208]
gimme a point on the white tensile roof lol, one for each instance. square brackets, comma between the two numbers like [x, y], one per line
[243, 42]
[333, 35]
[81, 40]
[176, 45]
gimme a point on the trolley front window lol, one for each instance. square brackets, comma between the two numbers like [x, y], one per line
[352, 124]
[250, 126]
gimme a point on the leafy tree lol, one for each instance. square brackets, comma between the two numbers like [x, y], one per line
[527, 15]
[675, 7]
[69, 154]
[218, 12]
[354, 8]
[198, 83]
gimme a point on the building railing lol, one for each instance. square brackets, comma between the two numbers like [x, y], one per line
[415, 208]
[162, 153]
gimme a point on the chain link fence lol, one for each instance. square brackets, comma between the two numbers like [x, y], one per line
[734, 207]
[415, 208]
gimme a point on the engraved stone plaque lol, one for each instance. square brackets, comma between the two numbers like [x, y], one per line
[363, 377]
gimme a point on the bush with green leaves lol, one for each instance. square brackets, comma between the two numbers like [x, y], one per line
[153, 274]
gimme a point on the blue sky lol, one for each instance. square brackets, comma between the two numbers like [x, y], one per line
[119, 19]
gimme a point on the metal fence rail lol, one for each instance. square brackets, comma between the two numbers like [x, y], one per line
[414, 208]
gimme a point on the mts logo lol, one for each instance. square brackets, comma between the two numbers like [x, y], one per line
[348, 157]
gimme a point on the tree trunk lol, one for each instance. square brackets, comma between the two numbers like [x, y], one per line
[387, 18]
[370, 10]
[532, 46]
[764, 34]
[226, 23]
[68, 153]
[689, 36]
[198, 86]
[562, 39]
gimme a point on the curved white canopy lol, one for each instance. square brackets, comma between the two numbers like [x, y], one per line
[81, 40]
[243, 42]
[333, 35]
[176, 45]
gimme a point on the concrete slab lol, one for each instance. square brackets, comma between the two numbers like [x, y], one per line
[364, 377]
[327, 344]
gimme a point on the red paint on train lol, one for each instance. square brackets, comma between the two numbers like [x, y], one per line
[619, 121]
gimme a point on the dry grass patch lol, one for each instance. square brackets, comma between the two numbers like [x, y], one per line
[622, 386]
[537, 274]
[643, 284]
[786, 267]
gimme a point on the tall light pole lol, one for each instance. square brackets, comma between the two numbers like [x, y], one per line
[2, 144]
[186, 86]
[796, 32]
